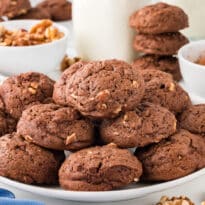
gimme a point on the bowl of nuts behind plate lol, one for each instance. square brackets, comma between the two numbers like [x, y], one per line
[31, 45]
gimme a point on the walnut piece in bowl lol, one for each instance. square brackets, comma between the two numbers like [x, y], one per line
[30, 45]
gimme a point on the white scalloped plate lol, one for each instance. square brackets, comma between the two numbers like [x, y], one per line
[131, 192]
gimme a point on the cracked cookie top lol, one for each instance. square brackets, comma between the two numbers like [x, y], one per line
[99, 169]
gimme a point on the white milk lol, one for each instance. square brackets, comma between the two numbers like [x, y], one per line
[101, 28]
[196, 12]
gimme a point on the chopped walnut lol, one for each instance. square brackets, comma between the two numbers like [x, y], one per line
[28, 138]
[136, 179]
[104, 106]
[135, 84]
[125, 118]
[43, 32]
[34, 85]
[102, 95]
[32, 90]
[117, 110]
[71, 139]
[172, 87]
[112, 145]
[68, 61]
[182, 200]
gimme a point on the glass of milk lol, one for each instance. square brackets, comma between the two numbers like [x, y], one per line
[101, 28]
[195, 9]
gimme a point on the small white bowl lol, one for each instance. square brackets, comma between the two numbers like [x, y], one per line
[42, 58]
[193, 73]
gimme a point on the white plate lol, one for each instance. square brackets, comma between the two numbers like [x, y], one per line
[130, 192]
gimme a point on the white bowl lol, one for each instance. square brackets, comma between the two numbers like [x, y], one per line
[42, 58]
[193, 74]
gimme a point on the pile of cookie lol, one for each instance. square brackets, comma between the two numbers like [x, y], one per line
[97, 110]
[158, 37]
[56, 10]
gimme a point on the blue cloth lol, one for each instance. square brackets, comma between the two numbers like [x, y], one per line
[8, 201]
[8, 198]
[7, 194]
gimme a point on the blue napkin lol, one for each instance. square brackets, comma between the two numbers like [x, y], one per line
[8, 198]
[8, 201]
[7, 194]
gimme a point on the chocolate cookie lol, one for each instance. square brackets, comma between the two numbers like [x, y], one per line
[161, 89]
[159, 18]
[60, 10]
[18, 92]
[59, 93]
[25, 162]
[161, 44]
[167, 64]
[13, 8]
[55, 127]
[7, 124]
[99, 169]
[35, 13]
[193, 119]
[175, 157]
[102, 89]
[148, 124]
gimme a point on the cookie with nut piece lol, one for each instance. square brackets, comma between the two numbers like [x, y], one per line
[99, 169]
[59, 93]
[193, 119]
[13, 8]
[55, 127]
[147, 124]
[59, 10]
[168, 64]
[19, 92]
[160, 88]
[159, 18]
[102, 89]
[174, 157]
[25, 162]
[161, 44]
[7, 123]
[35, 13]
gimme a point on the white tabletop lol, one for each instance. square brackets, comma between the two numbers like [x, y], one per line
[195, 190]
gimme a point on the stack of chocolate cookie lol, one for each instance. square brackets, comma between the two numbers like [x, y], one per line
[158, 37]
[56, 10]
[98, 110]
[131, 108]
